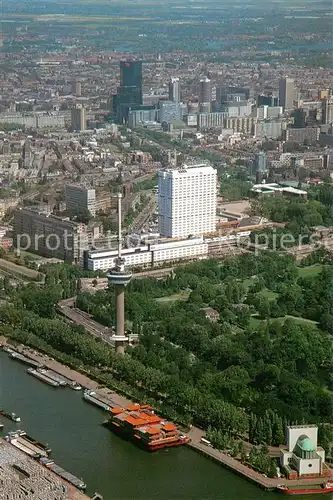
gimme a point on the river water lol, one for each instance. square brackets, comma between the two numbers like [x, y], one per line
[113, 467]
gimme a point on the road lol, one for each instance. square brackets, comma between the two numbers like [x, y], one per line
[144, 215]
[82, 318]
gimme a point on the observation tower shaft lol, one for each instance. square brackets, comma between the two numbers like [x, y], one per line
[119, 276]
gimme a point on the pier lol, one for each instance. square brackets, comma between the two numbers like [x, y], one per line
[266, 483]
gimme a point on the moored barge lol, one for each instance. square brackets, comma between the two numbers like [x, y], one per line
[140, 424]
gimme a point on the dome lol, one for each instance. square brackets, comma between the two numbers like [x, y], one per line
[305, 443]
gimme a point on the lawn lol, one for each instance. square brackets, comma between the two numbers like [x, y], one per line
[255, 321]
[173, 298]
[310, 271]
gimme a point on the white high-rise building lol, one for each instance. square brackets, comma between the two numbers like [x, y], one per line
[187, 201]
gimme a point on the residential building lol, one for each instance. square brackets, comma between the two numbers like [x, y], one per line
[169, 111]
[238, 109]
[210, 120]
[326, 111]
[245, 125]
[187, 200]
[80, 199]
[267, 100]
[287, 93]
[260, 164]
[174, 90]
[78, 118]
[264, 112]
[49, 236]
[272, 129]
[144, 114]
[205, 94]
[310, 134]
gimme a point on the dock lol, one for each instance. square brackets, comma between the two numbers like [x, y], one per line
[75, 481]
[266, 483]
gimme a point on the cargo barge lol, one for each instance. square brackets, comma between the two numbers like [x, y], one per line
[53, 376]
[320, 490]
[23, 359]
[11, 416]
[96, 400]
[75, 481]
[141, 425]
[42, 377]
[18, 440]
[33, 441]
[64, 381]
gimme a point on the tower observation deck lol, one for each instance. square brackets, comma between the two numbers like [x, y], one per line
[119, 277]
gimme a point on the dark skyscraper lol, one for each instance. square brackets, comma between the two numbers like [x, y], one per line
[130, 91]
[131, 74]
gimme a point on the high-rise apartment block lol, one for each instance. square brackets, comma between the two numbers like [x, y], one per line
[205, 95]
[78, 118]
[77, 88]
[287, 93]
[80, 199]
[174, 90]
[187, 200]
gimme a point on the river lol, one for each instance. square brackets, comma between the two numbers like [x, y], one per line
[113, 467]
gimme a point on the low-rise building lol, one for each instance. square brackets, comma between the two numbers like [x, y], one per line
[148, 255]
[302, 457]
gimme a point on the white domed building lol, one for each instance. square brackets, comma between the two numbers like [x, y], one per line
[303, 458]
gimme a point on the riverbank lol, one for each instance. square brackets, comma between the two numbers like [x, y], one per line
[195, 434]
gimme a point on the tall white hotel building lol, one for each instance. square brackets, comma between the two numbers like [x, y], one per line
[187, 201]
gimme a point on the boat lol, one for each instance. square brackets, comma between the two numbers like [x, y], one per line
[75, 481]
[96, 400]
[7, 349]
[53, 376]
[1, 426]
[320, 490]
[23, 359]
[140, 424]
[18, 440]
[33, 441]
[75, 386]
[11, 416]
[41, 376]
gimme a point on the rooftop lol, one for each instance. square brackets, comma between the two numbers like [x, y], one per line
[23, 477]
